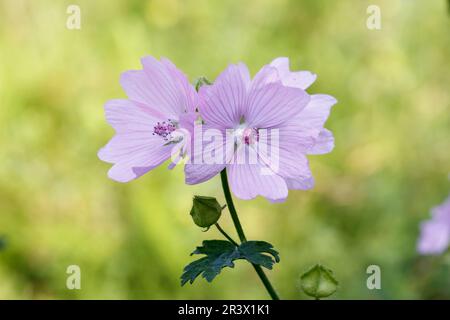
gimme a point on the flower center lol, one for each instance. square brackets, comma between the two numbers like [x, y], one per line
[164, 129]
[246, 135]
[250, 136]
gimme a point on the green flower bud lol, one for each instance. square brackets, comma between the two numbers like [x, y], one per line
[319, 282]
[205, 211]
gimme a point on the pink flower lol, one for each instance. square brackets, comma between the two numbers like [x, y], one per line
[154, 122]
[435, 233]
[274, 101]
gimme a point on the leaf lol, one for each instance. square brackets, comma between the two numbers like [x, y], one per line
[222, 253]
[254, 251]
[319, 282]
[219, 254]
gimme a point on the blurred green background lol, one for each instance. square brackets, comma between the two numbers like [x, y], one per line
[389, 167]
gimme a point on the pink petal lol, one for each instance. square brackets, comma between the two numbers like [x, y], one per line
[293, 164]
[187, 121]
[267, 74]
[159, 86]
[306, 128]
[247, 181]
[201, 166]
[286, 158]
[124, 173]
[133, 150]
[300, 184]
[221, 104]
[324, 143]
[127, 116]
[273, 104]
[442, 212]
[316, 112]
[133, 146]
[297, 79]
[198, 173]
[435, 233]
[434, 237]
[189, 97]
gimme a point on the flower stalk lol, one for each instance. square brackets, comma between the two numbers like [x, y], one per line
[226, 235]
[237, 224]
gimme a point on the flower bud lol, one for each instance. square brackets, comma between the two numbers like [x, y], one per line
[319, 282]
[205, 211]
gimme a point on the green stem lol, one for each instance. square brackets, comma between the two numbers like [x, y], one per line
[231, 208]
[226, 235]
[237, 224]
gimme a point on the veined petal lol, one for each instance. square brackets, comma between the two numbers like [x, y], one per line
[187, 94]
[267, 74]
[134, 146]
[296, 79]
[306, 128]
[247, 180]
[198, 173]
[316, 112]
[274, 104]
[132, 159]
[160, 86]
[127, 116]
[210, 154]
[222, 103]
[121, 172]
[285, 157]
[300, 183]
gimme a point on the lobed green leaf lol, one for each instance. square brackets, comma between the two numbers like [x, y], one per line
[221, 253]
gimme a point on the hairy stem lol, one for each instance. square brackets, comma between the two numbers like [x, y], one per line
[237, 224]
